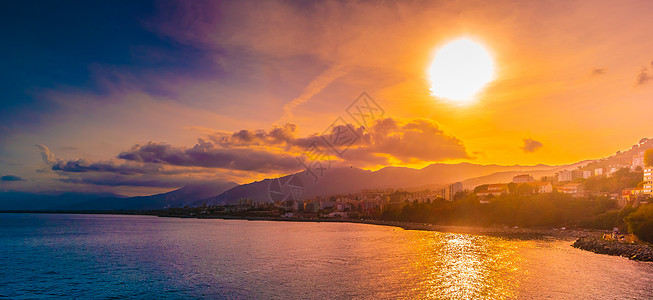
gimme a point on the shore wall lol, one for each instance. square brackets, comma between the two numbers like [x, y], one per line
[598, 245]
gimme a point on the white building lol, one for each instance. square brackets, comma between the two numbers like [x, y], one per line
[565, 175]
[524, 178]
[450, 191]
[647, 188]
[598, 171]
[587, 174]
[638, 160]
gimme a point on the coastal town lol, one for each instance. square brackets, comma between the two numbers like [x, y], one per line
[371, 203]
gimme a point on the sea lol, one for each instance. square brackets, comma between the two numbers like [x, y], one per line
[68, 256]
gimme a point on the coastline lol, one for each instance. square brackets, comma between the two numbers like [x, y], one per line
[499, 231]
[525, 233]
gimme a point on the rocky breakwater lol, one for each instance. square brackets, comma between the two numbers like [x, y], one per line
[601, 246]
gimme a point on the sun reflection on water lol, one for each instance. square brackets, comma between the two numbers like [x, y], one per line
[462, 266]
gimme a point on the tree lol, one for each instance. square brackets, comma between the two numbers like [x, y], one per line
[648, 158]
[481, 187]
[640, 222]
[512, 187]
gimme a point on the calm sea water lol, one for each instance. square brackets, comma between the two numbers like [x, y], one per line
[107, 256]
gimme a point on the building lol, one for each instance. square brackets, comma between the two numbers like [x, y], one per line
[573, 189]
[245, 202]
[628, 195]
[450, 191]
[564, 175]
[598, 171]
[647, 188]
[495, 189]
[542, 187]
[572, 175]
[638, 161]
[524, 178]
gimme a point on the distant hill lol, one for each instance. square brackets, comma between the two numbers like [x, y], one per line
[32, 201]
[506, 177]
[177, 198]
[352, 180]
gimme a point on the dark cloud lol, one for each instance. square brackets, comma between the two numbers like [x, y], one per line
[599, 71]
[264, 151]
[418, 139]
[11, 178]
[81, 166]
[403, 140]
[278, 135]
[531, 145]
[112, 179]
[110, 173]
[208, 155]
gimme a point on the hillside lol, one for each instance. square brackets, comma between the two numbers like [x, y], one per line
[352, 180]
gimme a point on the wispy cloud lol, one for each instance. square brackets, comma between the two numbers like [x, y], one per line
[313, 88]
[599, 71]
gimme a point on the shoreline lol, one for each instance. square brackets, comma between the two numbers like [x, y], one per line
[525, 233]
[640, 252]
[498, 231]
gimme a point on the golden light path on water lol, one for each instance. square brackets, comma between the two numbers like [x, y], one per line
[462, 266]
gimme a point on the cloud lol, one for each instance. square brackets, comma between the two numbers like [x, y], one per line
[11, 178]
[244, 153]
[82, 166]
[415, 139]
[531, 145]
[403, 140]
[112, 173]
[109, 179]
[209, 155]
[599, 71]
[47, 155]
[643, 77]
[313, 88]
[278, 135]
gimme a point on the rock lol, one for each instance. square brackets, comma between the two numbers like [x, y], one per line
[600, 246]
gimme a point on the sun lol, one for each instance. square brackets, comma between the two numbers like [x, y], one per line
[460, 70]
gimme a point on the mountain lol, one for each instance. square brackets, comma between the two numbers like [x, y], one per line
[177, 198]
[506, 176]
[352, 180]
[32, 201]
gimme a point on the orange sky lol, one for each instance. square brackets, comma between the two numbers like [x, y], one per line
[574, 76]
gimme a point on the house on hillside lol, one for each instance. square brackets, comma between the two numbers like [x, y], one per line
[495, 189]
[638, 161]
[573, 189]
[542, 187]
[523, 178]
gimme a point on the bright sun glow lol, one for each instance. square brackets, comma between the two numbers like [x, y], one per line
[460, 70]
